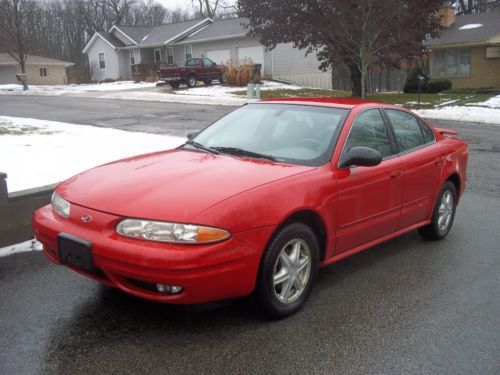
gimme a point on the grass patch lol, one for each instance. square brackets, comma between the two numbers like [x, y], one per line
[304, 93]
[8, 128]
[402, 99]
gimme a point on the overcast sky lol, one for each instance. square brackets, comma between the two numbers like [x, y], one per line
[185, 4]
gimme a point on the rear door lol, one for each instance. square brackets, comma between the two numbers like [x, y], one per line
[422, 160]
[369, 198]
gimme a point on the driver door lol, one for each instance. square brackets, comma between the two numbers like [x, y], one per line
[369, 198]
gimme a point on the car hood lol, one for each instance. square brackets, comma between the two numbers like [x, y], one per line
[174, 185]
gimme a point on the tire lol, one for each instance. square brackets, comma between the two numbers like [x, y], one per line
[443, 214]
[279, 297]
[208, 82]
[175, 85]
[221, 79]
[191, 81]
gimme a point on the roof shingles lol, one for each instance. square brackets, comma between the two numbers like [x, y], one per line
[455, 35]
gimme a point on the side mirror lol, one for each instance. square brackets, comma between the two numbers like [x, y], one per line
[192, 135]
[361, 156]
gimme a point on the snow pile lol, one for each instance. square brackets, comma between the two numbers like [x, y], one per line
[493, 102]
[464, 114]
[75, 89]
[37, 152]
[474, 112]
[471, 26]
[31, 245]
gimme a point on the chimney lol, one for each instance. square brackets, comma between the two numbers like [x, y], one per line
[447, 15]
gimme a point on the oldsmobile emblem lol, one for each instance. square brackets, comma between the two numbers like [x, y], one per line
[86, 218]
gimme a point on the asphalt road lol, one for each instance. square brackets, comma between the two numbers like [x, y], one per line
[149, 117]
[406, 306]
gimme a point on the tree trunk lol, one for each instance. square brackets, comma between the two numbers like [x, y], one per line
[355, 80]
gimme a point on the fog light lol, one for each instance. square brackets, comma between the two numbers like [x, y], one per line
[168, 289]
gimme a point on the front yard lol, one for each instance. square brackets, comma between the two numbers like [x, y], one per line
[410, 101]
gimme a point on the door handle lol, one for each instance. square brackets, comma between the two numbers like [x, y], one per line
[395, 174]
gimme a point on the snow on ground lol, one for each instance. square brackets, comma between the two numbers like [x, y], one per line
[128, 90]
[493, 102]
[74, 89]
[464, 114]
[158, 96]
[31, 245]
[37, 152]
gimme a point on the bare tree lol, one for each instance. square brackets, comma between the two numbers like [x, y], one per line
[207, 8]
[475, 6]
[17, 19]
[119, 9]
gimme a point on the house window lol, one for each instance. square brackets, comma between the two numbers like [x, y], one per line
[157, 53]
[452, 63]
[102, 63]
[170, 55]
[132, 57]
[188, 51]
[43, 72]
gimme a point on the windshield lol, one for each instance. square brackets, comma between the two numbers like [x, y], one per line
[287, 133]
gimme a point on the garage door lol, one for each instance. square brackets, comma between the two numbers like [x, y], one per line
[7, 75]
[219, 56]
[255, 53]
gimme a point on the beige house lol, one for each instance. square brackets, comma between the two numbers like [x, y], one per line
[468, 50]
[40, 70]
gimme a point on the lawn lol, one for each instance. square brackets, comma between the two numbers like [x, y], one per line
[406, 100]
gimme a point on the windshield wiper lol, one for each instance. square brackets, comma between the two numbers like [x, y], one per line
[240, 152]
[201, 147]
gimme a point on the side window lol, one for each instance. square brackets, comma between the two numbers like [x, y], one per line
[193, 62]
[409, 135]
[208, 62]
[369, 130]
[428, 133]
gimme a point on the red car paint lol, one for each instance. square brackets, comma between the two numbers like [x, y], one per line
[357, 208]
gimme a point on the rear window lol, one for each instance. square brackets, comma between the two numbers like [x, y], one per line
[409, 134]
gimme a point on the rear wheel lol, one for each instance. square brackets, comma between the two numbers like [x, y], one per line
[443, 215]
[191, 81]
[221, 78]
[287, 271]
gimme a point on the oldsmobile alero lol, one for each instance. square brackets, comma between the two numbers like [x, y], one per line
[257, 202]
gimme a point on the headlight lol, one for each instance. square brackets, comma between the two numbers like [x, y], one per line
[170, 232]
[60, 205]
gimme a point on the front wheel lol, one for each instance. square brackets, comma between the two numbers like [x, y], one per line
[443, 215]
[191, 81]
[288, 270]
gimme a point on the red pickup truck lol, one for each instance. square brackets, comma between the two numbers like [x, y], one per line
[195, 69]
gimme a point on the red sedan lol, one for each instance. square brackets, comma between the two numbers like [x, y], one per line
[257, 202]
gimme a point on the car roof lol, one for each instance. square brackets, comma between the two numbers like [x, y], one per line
[326, 102]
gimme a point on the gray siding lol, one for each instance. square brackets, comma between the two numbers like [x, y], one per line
[110, 57]
[291, 65]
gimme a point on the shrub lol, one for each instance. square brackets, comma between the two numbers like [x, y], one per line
[411, 84]
[239, 74]
[438, 85]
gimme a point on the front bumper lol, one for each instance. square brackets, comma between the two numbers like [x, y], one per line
[206, 272]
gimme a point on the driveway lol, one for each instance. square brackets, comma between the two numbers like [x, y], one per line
[149, 117]
[406, 306]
